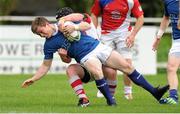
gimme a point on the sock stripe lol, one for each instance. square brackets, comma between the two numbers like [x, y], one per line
[75, 83]
[138, 76]
[102, 85]
[112, 86]
[110, 82]
[73, 78]
[78, 87]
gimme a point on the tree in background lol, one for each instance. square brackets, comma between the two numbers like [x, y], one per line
[81, 6]
[6, 6]
[152, 8]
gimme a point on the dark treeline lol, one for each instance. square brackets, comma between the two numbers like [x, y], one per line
[152, 8]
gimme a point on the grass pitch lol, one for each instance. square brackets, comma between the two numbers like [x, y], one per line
[53, 94]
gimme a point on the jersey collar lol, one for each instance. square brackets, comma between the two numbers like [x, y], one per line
[56, 30]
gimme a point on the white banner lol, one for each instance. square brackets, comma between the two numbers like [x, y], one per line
[144, 59]
[21, 51]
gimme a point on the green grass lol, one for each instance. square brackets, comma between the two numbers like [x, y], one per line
[52, 94]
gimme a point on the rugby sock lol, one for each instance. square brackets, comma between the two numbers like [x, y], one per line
[112, 86]
[173, 94]
[77, 86]
[127, 90]
[104, 88]
[139, 80]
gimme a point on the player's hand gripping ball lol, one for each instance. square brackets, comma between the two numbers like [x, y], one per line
[73, 36]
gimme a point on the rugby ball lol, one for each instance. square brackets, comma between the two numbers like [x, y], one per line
[75, 35]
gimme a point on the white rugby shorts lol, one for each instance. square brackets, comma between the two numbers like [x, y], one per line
[117, 42]
[102, 52]
[175, 48]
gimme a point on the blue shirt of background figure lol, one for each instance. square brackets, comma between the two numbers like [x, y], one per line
[76, 49]
[172, 11]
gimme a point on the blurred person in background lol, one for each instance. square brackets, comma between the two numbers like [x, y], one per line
[171, 12]
[116, 30]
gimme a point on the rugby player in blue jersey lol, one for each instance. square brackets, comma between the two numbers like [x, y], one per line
[171, 12]
[90, 53]
[76, 73]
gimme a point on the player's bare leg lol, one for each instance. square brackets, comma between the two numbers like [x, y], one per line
[127, 84]
[172, 67]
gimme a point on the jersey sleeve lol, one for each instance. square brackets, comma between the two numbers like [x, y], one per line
[96, 8]
[165, 11]
[87, 18]
[137, 9]
[48, 55]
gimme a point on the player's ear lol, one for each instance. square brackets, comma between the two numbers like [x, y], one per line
[47, 24]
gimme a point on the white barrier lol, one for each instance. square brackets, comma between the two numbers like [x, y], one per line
[21, 51]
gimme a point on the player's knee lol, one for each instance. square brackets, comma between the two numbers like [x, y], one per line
[109, 73]
[128, 68]
[97, 73]
[72, 70]
[171, 68]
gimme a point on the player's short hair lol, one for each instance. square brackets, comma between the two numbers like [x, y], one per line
[63, 12]
[38, 21]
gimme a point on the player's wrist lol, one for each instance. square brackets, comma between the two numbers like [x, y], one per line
[61, 21]
[158, 37]
[160, 34]
[76, 27]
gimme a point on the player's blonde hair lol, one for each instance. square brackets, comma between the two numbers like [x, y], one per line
[38, 22]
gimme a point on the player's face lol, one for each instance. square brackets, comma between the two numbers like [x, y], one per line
[45, 31]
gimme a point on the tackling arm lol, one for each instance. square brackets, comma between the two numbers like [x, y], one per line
[73, 17]
[83, 26]
[94, 20]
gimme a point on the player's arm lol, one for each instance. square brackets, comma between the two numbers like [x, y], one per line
[73, 17]
[63, 55]
[96, 10]
[43, 69]
[164, 24]
[94, 20]
[138, 24]
[82, 26]
[139, 15]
